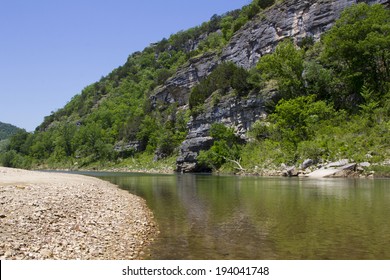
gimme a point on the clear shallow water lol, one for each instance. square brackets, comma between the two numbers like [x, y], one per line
[227, 217]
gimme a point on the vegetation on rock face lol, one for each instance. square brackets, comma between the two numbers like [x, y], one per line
[333, 101]
[224, 78]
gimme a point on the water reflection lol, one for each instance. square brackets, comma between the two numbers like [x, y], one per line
[226, 217]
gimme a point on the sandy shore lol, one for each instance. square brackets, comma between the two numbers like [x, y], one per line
[64, 216]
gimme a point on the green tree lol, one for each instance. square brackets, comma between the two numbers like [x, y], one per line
[93, 143]
[298, 119]
[286, 66]
[149, 133]
[64, 140]
[226, 24]
[43, 145]
[7, 130]
[358, 49]
[21, 142]
[226, 148]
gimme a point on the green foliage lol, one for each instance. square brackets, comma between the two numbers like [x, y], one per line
[267, 154]
[357, 48]
[93, 143]
[226, 147]
[263, 4]
[226, 24]
[298, 119]
[319, 80]
[14, 159]
[148, 133]
[3, 144]
[19, 142]
[214, 42]
[225, 77]
[294, 123]
[303, 128]
[7, 130]
[286, 66]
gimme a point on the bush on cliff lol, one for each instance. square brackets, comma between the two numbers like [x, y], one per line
[225, 77]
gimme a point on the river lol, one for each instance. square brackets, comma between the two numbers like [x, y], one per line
[229, 217]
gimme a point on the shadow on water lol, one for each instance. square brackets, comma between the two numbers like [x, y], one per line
[227, 217]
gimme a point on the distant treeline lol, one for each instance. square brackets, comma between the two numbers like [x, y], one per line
[7, 130]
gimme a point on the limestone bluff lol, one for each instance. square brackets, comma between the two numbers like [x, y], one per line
[289, 19]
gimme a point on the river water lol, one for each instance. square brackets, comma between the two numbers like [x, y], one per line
[227, 217]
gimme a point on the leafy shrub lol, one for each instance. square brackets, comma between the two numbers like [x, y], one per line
[298, 119]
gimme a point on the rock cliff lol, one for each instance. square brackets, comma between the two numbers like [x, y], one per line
[232, 112]
[177, 89]
[291, 18]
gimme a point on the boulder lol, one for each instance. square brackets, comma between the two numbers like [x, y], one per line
[189, 151]
[341, 162]
[364, 164]
[337, 171]
[307, 163]
[291, 171]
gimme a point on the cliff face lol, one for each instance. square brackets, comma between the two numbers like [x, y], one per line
[177, 89]
[292, 18]
[232, 112]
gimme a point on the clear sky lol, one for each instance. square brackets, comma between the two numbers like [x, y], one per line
[51, 49]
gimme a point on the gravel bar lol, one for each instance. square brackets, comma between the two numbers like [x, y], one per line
[67, 217]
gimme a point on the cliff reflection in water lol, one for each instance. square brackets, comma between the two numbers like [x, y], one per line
[227, 217]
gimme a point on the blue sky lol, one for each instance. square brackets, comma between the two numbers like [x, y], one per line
[50, 50]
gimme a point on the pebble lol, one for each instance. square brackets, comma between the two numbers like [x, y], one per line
[69, 217]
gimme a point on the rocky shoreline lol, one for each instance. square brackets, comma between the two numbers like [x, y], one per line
[66, 217]
[343, 168]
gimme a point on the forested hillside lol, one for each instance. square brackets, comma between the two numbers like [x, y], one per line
[321, 99]
[7, 130]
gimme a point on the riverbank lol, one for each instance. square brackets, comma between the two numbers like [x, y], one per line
[65, 216]
[349, 171]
